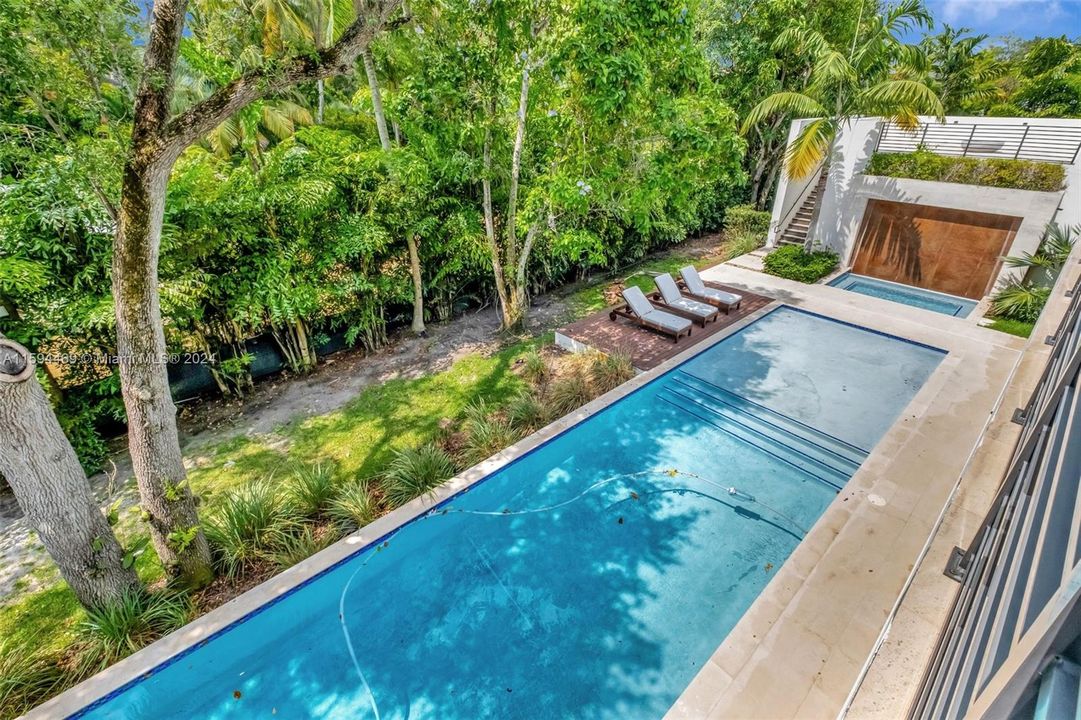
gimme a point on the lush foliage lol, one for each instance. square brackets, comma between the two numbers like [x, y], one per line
[992, 172]
[290, 223]
[795, 263]
[746, 219]
[1020, 301]
[875, 74]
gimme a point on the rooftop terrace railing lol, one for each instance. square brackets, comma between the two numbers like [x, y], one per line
[1021, 141]
[1020, 591]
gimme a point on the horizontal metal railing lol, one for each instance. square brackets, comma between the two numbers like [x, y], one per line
[1021, 141]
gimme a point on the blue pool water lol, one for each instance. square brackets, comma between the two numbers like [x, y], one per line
[905, 294]
[592, 577]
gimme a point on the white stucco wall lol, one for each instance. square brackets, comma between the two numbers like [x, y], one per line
[847, 191]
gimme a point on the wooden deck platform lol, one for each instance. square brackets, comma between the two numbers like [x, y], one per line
[646, 348]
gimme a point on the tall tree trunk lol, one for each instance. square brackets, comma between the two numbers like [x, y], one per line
[514, 315]
[377, 98]
[322, 102]
[418, 286]
[152, 432]
[489, 226]
[44, 473]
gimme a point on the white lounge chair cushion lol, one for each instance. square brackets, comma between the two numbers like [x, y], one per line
[697, 287]
[672, 296]
[643, 308]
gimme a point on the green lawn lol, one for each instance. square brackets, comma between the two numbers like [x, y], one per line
[1013, 327]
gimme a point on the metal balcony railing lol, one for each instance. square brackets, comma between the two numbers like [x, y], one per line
[1021, 141]
[1021, 574]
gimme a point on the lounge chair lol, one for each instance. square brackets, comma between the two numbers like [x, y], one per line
[676, 302]
[700, 291]
[640, 310]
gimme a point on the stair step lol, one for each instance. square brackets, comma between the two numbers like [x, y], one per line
[822, 456]
[837, 446]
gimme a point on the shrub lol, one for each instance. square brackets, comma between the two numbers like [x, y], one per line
[992, 172]
[356, 505]
[610, 371]
[251, 521]
[1020, 301]
[745, 219]
[742, 243]
[312, 488]
[300, 546]
[536, 368]
[116, 631]
[794, 263]
[485, 433]
[568, 393]
[27, 678]
[525, 412]
[415, 472]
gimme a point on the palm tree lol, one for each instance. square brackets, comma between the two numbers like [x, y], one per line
[959, 73]
[876, 75]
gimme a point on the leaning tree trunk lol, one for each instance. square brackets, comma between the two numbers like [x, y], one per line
[377, 98]
[152, 432]
[514, 312]
[44, 473]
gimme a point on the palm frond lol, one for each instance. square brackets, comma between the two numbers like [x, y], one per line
[834, 70]
[899, 99]
[797, 39]
[788, 103]
[809, 148]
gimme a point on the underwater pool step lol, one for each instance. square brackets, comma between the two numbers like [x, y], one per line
[762, 414]
[786, 439]
[774, 447]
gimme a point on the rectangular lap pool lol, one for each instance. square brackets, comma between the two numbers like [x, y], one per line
[590, 578]
[905, 294]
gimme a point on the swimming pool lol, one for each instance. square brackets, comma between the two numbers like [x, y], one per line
[591, 577]
[905, 294]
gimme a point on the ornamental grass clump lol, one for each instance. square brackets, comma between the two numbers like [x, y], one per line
[312, 488]
[414, 472]
[355, 505]
[609, 371]
[525, 412]
[251, 522]
[486, 433]
[301, 545]
[116, 631]
[27, 677]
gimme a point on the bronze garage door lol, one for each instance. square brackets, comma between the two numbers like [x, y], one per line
[951, 251]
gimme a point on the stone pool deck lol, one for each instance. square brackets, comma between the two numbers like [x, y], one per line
[804, 646]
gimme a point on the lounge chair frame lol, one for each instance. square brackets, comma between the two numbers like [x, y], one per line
[624, 311]
[727, 307]
[656, 298]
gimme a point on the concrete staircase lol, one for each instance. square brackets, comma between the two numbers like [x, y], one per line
[795, 233]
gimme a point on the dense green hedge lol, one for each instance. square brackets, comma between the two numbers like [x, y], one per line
[992, 172]
[745, 219]
[792, 262]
